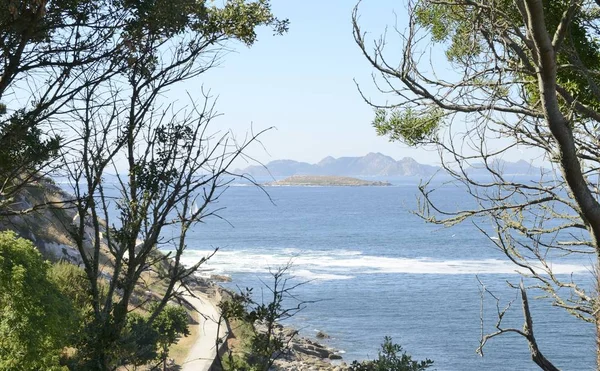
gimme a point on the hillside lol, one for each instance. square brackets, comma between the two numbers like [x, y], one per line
[49, 227]
[326, 181]
[371, 165]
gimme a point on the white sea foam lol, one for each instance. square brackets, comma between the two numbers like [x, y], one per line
[347, 264]
[310, 275]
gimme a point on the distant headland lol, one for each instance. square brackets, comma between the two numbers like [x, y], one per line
[378, 165]
[370, 165]
[326, 181]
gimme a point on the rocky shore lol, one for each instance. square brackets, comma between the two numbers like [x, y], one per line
[305, 354]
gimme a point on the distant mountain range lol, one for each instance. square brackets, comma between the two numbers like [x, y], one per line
[520, 167]
[373, 165]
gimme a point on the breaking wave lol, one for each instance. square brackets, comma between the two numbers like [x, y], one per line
[347, 264]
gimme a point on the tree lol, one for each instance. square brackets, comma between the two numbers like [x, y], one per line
[36, 319]
[170, 325]
[266, 342]
[143, 169]
[93, 77]
[391, 358]
[525, 75]
[45, 46]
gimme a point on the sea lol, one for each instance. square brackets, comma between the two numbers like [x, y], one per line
[366, 266]
[371, 267]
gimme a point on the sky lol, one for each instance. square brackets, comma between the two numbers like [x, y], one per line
[302, 84]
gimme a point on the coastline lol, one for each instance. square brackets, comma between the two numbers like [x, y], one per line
[54, 242]
[303, 353]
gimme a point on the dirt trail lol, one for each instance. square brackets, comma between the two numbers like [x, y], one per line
[204, 351]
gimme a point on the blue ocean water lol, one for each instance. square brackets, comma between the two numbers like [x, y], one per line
[377, 269]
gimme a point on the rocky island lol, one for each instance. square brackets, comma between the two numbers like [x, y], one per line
[326, 181]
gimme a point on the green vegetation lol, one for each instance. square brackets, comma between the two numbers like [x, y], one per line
[391, 358]
[169, 325]
[73, 284]
[240, 346]
[36, 319]
[97, 72]
[258, 348]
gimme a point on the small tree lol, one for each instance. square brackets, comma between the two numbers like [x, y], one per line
[36, 319]
[170, 325]
[266, 344]
[167, 163]
[137, 344]
[391, 358]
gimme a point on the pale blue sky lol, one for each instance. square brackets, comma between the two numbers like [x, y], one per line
[302, 84]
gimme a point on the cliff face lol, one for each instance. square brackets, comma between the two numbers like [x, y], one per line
[51, 229]
[48, 227]
[371, 165]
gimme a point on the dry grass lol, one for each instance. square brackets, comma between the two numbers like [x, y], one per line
[180, 350]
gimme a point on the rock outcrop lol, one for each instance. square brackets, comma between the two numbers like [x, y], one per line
[305, 354]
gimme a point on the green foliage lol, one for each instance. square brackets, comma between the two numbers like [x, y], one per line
[391, 358]
[452, 26]
[72, 282]
[236, 362]
[258, 347]
[170, 325]
[239, 19]
[36, 319]
[234, 19]
[407, 125]
[38, 20]
[194, 24]
[263, 346]
[464, 29]
[137, 343]
[23, 145]
[140, 342]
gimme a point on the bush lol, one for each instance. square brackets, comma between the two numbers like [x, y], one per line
[170, 325]
[73, 283]
[36, 319]
[390, 359]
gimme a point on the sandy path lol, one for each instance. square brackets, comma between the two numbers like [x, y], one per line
[203, 352]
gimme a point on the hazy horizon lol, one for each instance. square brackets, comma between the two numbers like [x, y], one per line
[303, 84]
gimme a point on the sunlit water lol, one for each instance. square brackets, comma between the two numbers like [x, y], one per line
[377, 269]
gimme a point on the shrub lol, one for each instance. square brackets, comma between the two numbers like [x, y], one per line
[391, 358]
[35, 317]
